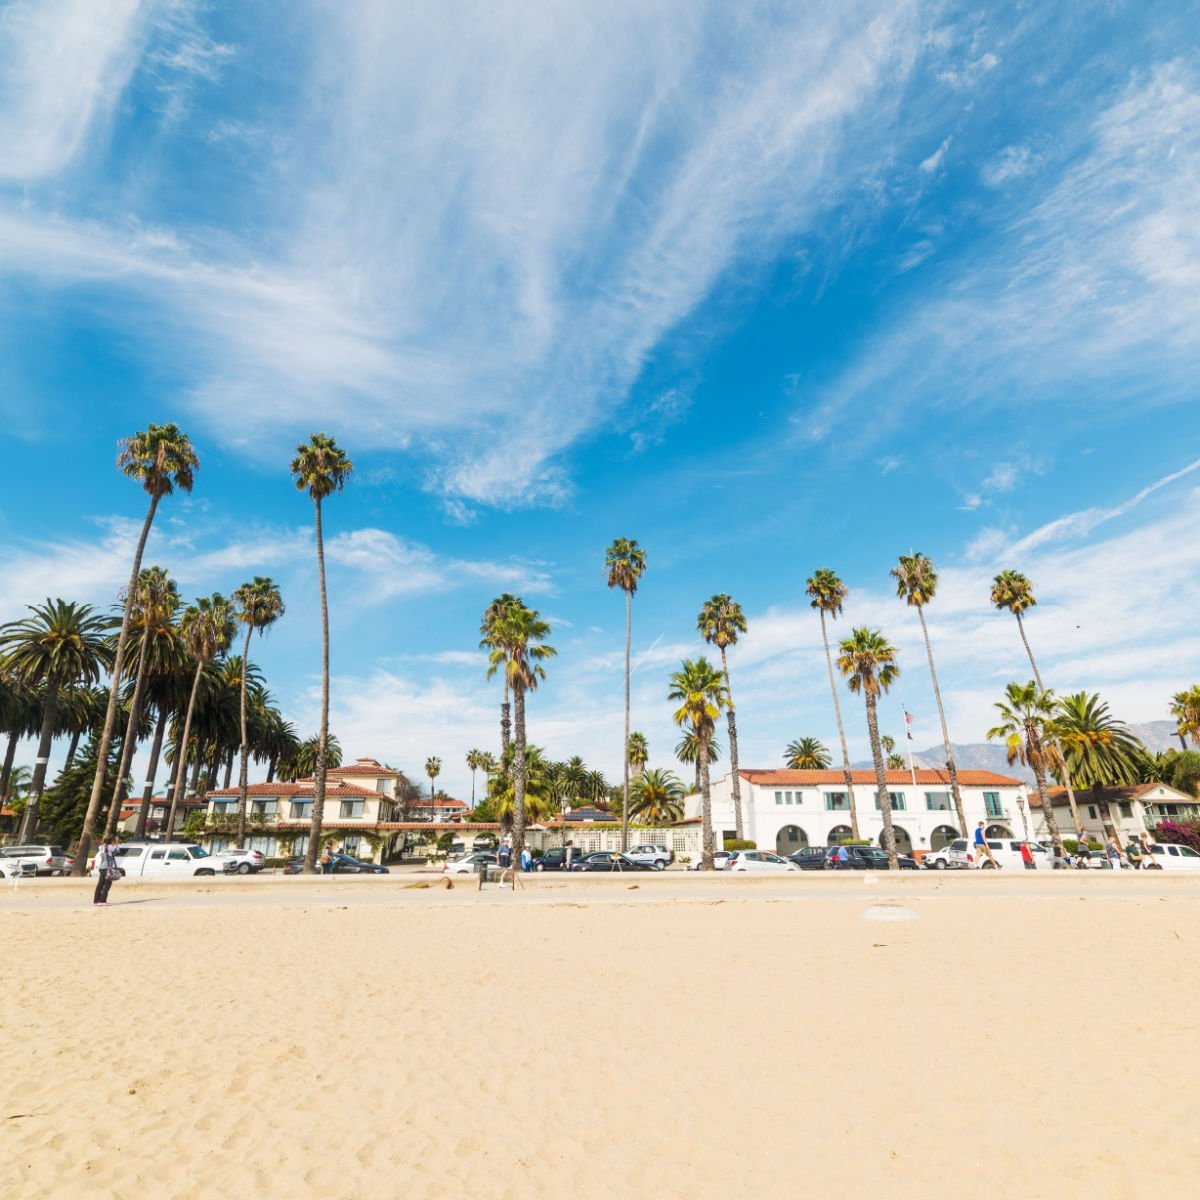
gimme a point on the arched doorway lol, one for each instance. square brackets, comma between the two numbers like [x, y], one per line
[838, 834]
[942, 836]
[998, 831]
[790, 839]
[903, 841]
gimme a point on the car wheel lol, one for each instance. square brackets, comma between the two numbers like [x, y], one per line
[243, 869]
[987, 866]
[940, 864]
[206, 871]
[659, 865]
[539, 867]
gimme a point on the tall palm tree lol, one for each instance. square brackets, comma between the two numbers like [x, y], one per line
[433, 768]
[916, 584]
[868, 662]
[208, 629]
[806, 754]
[687, 750]
[1027, 724]
[62, 645]
[720, 621]
[320, 468]
[302, 763]
[1185, 708]
[259, 606]
[573, 778]
[699, 689]
[154, 607]
[474, 762]
[625, 562]
[520, 650]
[21, 717]
[639, 752]
[489, 627]
[161, 458]
[657, 797]
[1099, 750]
[827, 594]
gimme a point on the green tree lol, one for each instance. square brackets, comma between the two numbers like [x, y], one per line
[433, 768]
[1027, 723]
[720, 621]
[657, 797]
[61, 646]
[625, 562]
[66, 802]
[302, 763]
[916, 584]
[806, 754]
[520, 650]
[259, 606]
[207, 628]
[161, 458]
[827, 594]
[490, 627]
[699, 690]
[1099, 750]
[868, 662]
[687, 750]
[475, 760]
[320, 468]
[1185, 708]
[639, 752]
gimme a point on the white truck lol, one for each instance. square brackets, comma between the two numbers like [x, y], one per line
[161, 860]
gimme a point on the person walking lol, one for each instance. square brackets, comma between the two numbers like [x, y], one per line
[1027, 857]
[106, 871]
[504, 860]
[1113, 850]
[1148, 863]
[526, 858]
[982, 848]
[568, 856]
[326, 861]
[1133, 853]
[842, 858]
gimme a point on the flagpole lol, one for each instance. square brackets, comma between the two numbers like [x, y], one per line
[908, 736]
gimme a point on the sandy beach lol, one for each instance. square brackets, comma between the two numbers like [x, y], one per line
[690, 1037]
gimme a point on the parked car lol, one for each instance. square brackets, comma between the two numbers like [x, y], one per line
[46, 860]
[555, 859]
[956, 856]
[608, 860]
[469, 864]
[240, 862]
[868, 858]
[163, 860]
[652, 856]
[758, 861]
[13, 869]
[811, 858]
[720, 858]
[347, 864]
[1175, 858]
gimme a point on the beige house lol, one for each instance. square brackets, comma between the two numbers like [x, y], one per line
[1138, 807]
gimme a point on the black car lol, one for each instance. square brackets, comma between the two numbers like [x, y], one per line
[869, 858]
[811, 858]
[556, 860]
[343, 864]
[608, 860]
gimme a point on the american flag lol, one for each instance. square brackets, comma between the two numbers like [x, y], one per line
[908, 720]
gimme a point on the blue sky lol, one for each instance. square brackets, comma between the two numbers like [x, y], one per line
[801, 286]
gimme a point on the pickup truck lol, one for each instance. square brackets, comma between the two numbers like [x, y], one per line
[160, 860]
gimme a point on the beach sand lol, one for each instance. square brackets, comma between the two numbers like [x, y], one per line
[689, 1037]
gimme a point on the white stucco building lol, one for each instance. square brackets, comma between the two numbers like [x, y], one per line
[786, 810]
[1135, 808]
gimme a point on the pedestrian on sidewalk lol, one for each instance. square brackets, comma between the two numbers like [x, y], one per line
[106, 871]
[1113, 850]
[1027, 857]
[982, 848]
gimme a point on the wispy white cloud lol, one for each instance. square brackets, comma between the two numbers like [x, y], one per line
[933, 163]
[1011, 163]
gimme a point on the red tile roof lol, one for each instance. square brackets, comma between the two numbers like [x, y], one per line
[367, 766]
[788, 778]
[1135, 791]
[302, 787]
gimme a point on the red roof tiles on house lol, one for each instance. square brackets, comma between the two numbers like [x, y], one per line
[302, 787]
[1113, 795]
[811, 778]
[366, 766]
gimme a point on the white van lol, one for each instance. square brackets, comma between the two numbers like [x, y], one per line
[1175, 858]
[961, 854]
[160, 860]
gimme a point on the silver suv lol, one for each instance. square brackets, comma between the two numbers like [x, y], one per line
[651, 856]
[45, 860]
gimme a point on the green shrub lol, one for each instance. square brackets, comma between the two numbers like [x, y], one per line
[740, 844]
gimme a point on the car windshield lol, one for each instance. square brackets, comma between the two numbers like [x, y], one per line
[198, 852]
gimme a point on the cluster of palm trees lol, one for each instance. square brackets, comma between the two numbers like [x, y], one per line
[171, 674]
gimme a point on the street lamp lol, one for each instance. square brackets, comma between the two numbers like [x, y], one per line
[1024, 822]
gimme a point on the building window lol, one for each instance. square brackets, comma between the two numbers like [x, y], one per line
[1091, 812]
[352, 808]
[778, 797]
[381, 786]
[787, 796]
[895, 798]
[264, 845]
[1126, 810]
[937, 801]
[991, 804]
[224, 808]
[263, 808]
[836, 802]
[300, 846]
[350, 844]
[302, 810]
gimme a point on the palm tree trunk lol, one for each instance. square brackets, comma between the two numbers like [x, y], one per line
[505, 720]
[473, 789]
[708, 843]
[181, 754]
[518, 836]
[733, 755]
[229, 768]
[10, 754]
[129, 742]
[110, 714]
[244, 767]
[197, 768]
[625, 756]
[1032, 662]
[951, 769]
[151, 774]
[38, 783]
[318, 808]
[72, 750]
[1106, 817]
[271, 767]
[1034, 755]
[837, 712]
[885, 803]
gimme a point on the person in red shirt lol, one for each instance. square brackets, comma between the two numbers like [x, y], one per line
[1027, 857]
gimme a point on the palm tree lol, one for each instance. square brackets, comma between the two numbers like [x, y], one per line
[625, 562]
[699, 689]
[806, 754]
[687, 750]
[207, 628]
[1013, 591]
[520, 649]
[21, 717]
[720, 621]
[573, 779]
[657, 797]
[474, 762]
[1027, 727]
[828, 593]
[433, 768]
[639, 752]
[489, 627]
[302, 762]
[1185, 708]
[259, 606]
[161, 458]
[154, 608]
[1099, 750]
[916, 584]
[61, 646]
[80, 713]
[868, 662]
[320, 468]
